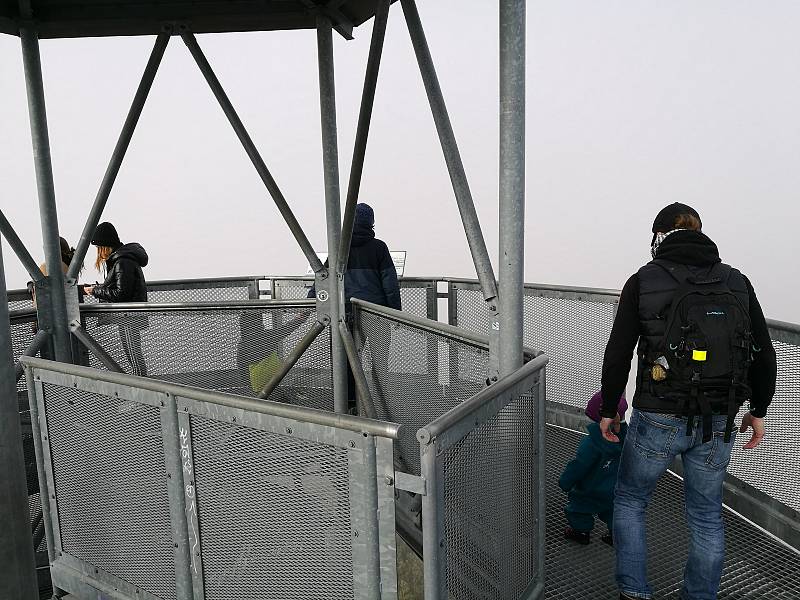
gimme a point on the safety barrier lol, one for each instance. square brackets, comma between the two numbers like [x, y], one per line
[158, 491]
[469, 458]
[226, 346]
[419, 295]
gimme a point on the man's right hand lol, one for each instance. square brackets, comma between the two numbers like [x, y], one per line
[758, 430]
[609, 429]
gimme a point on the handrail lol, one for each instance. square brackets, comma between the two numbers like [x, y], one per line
[193, 306]
[547, 287]
[266, 407]
[476, 402]
[435, 327]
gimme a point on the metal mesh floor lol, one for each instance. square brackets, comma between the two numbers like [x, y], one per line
[756, 566]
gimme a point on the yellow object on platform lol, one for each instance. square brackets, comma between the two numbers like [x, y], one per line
[264, 370]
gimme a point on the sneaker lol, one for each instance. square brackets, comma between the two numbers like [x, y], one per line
[582, 537]
[608, 539]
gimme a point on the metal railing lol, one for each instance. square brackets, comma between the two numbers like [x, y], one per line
[161, 491]
[419, 295]
[417, 369]
[231, 346]
[484, 503]
[471, 477]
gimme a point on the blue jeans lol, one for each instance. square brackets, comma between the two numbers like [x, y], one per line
[653, 441]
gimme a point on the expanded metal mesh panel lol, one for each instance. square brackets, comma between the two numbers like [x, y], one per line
[111, 486]
[574, 334]
[227, 349]
[773, 466]
[292, 290]
[20, 304]
[756, 566]
[491, 502]
[416, 376]
[289, 501]
[220, 292]
[23, 330]
[415, 300]
[471, 311]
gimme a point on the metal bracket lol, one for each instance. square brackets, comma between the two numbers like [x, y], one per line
[410, 483]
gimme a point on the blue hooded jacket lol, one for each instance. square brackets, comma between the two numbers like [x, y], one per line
[371, 274]
[591, 476]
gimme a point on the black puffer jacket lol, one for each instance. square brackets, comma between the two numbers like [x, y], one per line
[695, 250]
[125, 279]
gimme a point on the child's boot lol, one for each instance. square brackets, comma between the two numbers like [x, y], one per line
[582, 537]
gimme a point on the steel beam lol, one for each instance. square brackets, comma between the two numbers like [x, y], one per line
[118, 154]
[362, 131]
[37, 344]
[20, 250]
[452, 156]
[362, 389]
[17, 562]
[512, 183]
[292, 359]
[251, 150]
[46, 189]
[333, 215]
[91, 344]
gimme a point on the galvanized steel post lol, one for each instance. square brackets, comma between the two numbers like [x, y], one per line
[452, 156]
[118, 154]
[512, 183]
[362, 131]
[17, 564]
[330, 159]
[46, 189]
[251, 150]
[20, 250]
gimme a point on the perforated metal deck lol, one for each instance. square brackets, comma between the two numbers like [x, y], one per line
[756, 567]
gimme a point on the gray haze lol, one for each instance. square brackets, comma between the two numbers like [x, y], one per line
[631, 105]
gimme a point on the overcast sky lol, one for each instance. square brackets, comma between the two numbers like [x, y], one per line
[631, 105]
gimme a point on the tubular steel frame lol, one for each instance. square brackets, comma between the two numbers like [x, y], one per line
[57, 295]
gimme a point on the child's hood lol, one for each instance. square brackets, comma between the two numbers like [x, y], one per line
[602, 444]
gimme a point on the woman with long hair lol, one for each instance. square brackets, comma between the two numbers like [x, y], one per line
[124, 282]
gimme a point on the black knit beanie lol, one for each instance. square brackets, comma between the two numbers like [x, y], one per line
[665, 219]
[106, 235]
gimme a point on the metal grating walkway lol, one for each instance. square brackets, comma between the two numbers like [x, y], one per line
[757, 567]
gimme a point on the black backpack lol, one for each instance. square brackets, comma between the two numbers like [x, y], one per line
[707, 344]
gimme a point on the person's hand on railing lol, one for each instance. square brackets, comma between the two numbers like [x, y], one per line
[758, 430]
[610, 429]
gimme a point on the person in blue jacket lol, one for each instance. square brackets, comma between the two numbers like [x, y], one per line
[589, 479]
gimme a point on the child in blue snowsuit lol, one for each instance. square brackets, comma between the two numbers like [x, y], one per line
[589, 479]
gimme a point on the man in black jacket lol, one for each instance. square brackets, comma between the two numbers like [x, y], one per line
[661, 423]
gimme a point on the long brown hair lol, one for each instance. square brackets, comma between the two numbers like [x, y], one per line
[103, 252]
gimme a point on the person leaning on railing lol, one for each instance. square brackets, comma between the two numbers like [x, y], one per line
[704, 349]
[124, 282]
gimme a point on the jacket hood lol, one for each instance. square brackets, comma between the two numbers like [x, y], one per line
[608, 448]
[362, 233]
[689, 248]
[132, 251]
